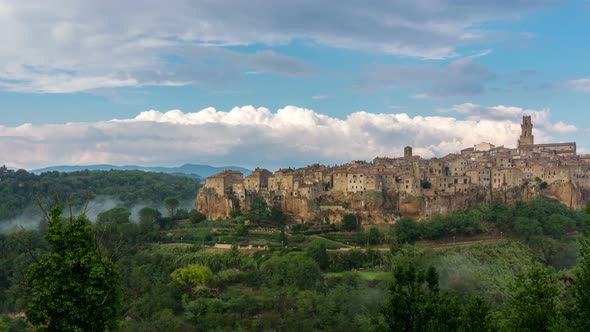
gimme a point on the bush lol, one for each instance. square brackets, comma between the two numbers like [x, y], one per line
[407, 230]
[196, 216]
[235, 213]
[349, 222]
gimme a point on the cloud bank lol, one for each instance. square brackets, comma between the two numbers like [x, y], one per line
[249, 136]
[59, 46]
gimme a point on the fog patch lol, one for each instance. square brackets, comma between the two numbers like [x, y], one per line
[32, 215]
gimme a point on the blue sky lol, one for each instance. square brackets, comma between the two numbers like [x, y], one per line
[327, 83]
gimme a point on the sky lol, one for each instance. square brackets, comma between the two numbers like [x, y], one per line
[276, 84]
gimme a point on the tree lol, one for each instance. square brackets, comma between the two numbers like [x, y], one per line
[171, 204]
[476, 316]
[116, 215]
[259, 210]
[181, 214]
[295, 270]
[349, 222]
[532, 305]
[415, 302]
[317, 251]
[192, 275]
[407, 230]
[73, 287]
[283, 239]
[147, 218]
[582, 290]
[277, 216]
[196, 216]
[241, 230]
[374, 236]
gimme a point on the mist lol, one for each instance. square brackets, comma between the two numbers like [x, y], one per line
[32, 216]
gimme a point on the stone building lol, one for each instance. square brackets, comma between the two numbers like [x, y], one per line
[257, 180]
[407, 183]
[222, 183]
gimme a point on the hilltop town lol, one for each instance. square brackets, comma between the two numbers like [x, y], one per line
[386, 188]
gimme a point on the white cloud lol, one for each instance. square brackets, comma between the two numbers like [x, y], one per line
[563, 128]
[250, 136]
[540, 118]
[582, 84]
[108, 43]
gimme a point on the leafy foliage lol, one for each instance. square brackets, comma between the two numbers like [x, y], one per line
[18, 188]
[349, 222]
[582, 291]
[532, 305]
[416, 304]
[73, 287]
[171, 204]
[259, 209]
[192, 275]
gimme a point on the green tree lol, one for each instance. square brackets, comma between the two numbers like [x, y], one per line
[147, 218]
[349, 222]
[283, 239]
[116, 215]
[196, 216]
[407, 230]
[181, 214]
[294, 270]
[582, 290]
[425, 184]
[277, 216]
[415, 302]
[394, 244]
[317, 251]
[171, 204]
[259, 209]
[241, 230]
[476, 316]
[192, 275]
[532, 305]
[73, 287]
[374, 236]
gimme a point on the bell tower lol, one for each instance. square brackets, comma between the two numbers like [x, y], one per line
[408, 152]
[526, 135]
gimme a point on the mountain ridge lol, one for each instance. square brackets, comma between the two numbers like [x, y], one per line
[202, 171]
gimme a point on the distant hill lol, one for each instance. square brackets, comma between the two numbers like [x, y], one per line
[200, 171]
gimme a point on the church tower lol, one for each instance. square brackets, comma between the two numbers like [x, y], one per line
[526, 136]
[408, 152]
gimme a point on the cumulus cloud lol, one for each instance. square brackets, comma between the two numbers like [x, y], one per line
[582, 84]
[563, 128]
[93, 44]
[250, 136]
[461, 78]
[541, 118]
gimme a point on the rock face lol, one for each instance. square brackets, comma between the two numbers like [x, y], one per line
[213, 205]
[373, 207]
[566, 193]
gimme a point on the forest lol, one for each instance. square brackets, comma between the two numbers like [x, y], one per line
[19, 189]
[490, 268]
